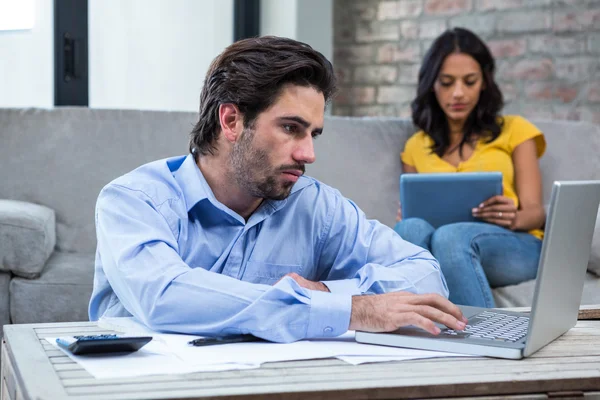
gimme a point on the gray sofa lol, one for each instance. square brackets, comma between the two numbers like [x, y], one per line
[53, 164]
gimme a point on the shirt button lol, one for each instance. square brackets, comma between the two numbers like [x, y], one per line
[328, 329]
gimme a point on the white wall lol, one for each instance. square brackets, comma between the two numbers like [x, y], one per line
[309, 21]
[279, 17]
[147, 54]
[27, 62]
[153, 54]
[315, 25]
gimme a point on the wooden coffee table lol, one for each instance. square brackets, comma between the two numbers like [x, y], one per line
[568, 367]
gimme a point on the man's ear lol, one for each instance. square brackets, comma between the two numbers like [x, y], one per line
[231, 121]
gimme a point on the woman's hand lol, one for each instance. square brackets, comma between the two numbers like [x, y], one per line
[499, 210]
[399, 213]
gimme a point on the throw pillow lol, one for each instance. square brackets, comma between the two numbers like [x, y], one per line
[27, 237]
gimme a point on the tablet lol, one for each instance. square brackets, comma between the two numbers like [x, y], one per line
[446, 198]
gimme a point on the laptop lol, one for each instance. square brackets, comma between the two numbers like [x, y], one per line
[446, 198]
[561, 273]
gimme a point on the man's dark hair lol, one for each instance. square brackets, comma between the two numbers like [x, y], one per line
[427, 113]
[251, 73]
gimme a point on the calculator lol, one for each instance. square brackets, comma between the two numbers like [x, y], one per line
[99, 344]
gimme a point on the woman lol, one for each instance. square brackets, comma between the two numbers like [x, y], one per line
[457, 109]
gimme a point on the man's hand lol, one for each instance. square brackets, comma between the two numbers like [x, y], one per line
[390, 311]
[305, 283]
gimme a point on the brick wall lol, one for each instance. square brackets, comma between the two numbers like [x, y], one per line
[547, 52]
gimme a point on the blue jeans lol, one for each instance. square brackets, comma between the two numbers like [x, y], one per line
[476, 256]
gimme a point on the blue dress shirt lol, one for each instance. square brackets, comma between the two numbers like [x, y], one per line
[172, 255]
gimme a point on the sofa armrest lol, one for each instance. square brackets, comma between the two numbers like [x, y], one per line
[594, 264]
[27, 237]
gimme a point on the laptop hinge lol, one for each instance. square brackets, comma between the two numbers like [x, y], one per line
[565, 394]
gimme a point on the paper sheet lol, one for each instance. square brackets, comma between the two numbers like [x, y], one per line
[155, 358]
[171, 354]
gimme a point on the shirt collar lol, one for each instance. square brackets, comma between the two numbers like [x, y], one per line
[192, 183]
[195, 188]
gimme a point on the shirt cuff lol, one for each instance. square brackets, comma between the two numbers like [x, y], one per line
[344, 286]
[329, 314]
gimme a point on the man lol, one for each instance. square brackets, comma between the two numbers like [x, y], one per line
[233, 238]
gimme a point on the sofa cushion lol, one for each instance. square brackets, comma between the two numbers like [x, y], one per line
[361, 158]
[27, 237]
[61, 294]
[82, 149]
[521, 295]
[4, 311]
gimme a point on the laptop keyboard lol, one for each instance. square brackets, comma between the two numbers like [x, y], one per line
[494, 326]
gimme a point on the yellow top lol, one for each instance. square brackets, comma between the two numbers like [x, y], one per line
[486, 157]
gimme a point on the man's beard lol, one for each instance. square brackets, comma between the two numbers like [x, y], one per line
[252, 171]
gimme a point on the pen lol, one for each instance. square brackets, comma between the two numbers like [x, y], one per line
[209, 341]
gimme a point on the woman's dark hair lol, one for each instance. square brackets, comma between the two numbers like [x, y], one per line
[250, 73]
[427, 113]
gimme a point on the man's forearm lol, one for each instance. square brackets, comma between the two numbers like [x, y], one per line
[207, 303]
